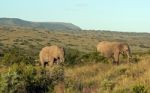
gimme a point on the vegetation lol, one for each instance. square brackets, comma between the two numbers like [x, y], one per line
[20, 74]
[84, 70]
[139, 89]
[17, 55]
[24, 78]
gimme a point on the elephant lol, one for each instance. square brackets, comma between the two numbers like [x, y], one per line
[51, 54]
[113, 50]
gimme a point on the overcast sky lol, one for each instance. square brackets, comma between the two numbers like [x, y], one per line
[116, 15]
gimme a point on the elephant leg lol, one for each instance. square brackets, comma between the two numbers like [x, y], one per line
[42, 63]
[116, 58]
[62, 59]
[128, 59]
[128, 56]
[114, 62]
[113, 59]
[55, 60]
[51, 62]
[59, 60]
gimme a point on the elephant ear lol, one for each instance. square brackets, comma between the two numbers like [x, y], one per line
[120, 47]
[125, 46]
[62, 48]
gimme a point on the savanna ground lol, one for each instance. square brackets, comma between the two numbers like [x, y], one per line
[84, 70]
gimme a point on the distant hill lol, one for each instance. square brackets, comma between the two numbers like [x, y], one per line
[39, 25]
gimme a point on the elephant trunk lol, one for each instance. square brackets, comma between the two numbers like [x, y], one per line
[129, 56]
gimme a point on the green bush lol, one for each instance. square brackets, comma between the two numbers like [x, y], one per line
[24, 78]
[108, 84]
[135, 59]
[139, 89]
[94, 57]
[17, 55]
[1, 44]
[72, 56]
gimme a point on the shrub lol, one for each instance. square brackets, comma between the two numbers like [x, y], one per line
[17, 55]
[108, 84]
[135, 59]
[139, 89]
[24, 78]
[1, 44]
[94, 57]
[72, 56]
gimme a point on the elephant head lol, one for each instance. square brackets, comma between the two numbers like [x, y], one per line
[125, 49]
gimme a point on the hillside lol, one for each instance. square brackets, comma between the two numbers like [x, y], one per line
[39, 25]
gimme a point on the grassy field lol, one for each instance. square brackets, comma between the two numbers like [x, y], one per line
[84, 70]
[108, 78]
[81, 40]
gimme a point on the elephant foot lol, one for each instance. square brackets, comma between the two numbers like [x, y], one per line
[115, 63]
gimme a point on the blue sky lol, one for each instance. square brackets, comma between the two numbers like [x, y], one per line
[116, 15]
